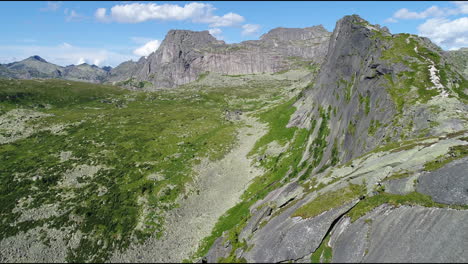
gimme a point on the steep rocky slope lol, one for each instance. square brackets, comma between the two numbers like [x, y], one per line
[184, 55]
[383, 167]
[459, 59]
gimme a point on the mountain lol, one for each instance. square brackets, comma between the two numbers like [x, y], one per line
[184, 55]
[302, 146]
[85, 72]
[37, 67]
[459, 59]
[385, 120]
[126, 70]
[33, 67]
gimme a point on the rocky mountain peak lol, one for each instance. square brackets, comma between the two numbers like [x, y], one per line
[37, 58]
[189, 38]
[107, 68]
[286, 34]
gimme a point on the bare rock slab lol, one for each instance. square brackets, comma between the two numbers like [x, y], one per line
[448, 185]
[404, 234]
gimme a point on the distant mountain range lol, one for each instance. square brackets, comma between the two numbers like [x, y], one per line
[184, 55]
[37, 67]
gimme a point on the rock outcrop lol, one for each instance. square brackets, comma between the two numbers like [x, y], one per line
[184, 54]
[405, 234]
[459, 59]
[373, 89]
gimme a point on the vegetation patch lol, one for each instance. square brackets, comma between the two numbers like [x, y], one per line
[277, 119]
[330, 200]
[324, 253]
[414, 198]
[365, 100]
[202, 76]
[455, 152]
[320, 143]
[334, 155]
[399, 175]
[131, 136]
[373, 127]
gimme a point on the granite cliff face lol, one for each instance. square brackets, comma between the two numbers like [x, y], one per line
[366, 72]
[386, 124]
[184, 55]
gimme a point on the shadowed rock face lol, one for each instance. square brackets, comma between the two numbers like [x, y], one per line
[184, 54]
[352, 70]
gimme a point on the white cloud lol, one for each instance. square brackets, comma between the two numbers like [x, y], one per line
[101, 14]
[72, 16]
[404, 13]
[450, 34]
[51, 6]
[228, 20]
[141, 12]
[461, 7]
[140, 40]
[81, 61]
[65, 45]
[66, 54]
[250, 29]
[216, 32]
[391, 20]
[148, 48]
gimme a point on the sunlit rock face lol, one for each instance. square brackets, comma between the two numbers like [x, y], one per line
[184, 54]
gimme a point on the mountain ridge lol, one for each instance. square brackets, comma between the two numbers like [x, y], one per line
[163, 69]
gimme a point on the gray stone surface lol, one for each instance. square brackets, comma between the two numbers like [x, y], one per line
[286, 238]
[396, 186]
[254, 221]
[405, 234]
[349, 241]
[184, 54]
[218, 250]
[448, 185]
[355, 65]
[353, 62]
[401, 186]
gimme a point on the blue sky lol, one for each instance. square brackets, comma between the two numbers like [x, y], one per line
[108, 33]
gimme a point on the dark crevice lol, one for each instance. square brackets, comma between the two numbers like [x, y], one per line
[330, 229]
[287, 202]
